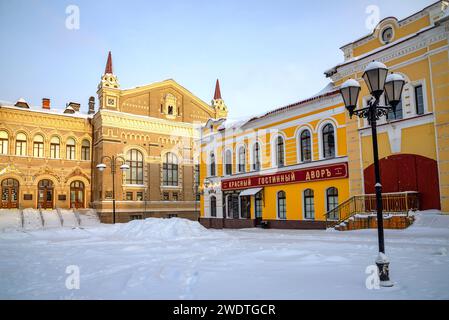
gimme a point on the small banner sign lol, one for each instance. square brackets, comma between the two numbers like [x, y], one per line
[336, 171]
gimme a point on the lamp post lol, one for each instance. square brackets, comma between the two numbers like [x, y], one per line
[378, 81]
[114, 161]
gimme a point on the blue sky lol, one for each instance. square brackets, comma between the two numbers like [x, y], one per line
[265, 53]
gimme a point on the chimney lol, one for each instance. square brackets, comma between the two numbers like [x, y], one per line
[46, 103]
[91, 105]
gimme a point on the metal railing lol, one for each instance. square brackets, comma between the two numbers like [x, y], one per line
[393, 203]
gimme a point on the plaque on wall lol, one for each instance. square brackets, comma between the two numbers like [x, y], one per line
[62, 197]
[27, 196]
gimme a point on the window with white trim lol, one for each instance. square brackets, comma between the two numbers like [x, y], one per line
[242, 159]
[328, 141]
[21, 144]
[55, 146]
[305, 142]
[4, 139]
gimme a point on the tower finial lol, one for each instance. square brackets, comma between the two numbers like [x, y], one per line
[108, 68]
[217, 94]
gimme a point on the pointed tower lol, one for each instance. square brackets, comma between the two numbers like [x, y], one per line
[221, 111]
[109, 89]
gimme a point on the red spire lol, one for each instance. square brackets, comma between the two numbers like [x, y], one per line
[108, 68]
[217, 95]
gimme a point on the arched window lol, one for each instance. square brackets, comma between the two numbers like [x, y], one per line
[328, 141]
[135, 161]
[282, 205]
[213, 206]
[228, 162]
[21, 144]
[54, 148]
[4, 138]
[306, 146]
[85, 150]
[256, 156]
[280, 161]
[212, 164]
[309, 204]
[38, 146]
[170, 170]
[242, 159]
[70, 149]
[331, 198]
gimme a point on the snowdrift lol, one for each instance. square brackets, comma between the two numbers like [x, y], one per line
[160, 229]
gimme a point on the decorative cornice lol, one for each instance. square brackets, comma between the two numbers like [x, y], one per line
[126, 121]
[404, 48]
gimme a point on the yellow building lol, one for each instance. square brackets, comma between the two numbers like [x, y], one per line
[286, 168]
[414, 143]
[245, 165]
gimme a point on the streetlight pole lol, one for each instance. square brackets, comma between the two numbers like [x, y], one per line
[113, 161]
[378, 82]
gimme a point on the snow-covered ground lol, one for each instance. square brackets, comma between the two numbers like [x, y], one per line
[179, 259]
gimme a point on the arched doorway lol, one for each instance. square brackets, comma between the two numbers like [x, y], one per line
[10, 193]
[408, 172]
[77, 194]
[45, 194]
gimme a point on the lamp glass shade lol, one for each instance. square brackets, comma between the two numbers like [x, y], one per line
[101, 167]
[350, 93]
[393, 89]
[124, 167]
[375, 76]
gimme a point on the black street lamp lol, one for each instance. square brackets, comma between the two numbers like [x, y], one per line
[114, 161]
[378, 82]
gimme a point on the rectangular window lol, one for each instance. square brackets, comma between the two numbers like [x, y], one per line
[21, 148]
[394, 116]
[258, 205]
[135, 217]
[282, 208]
[129, 196]
[54, 151]
[3, 146]
[85, 153]
[38, 149]
[419, 100]
[245, 206]
[70, 152]
[139, 196]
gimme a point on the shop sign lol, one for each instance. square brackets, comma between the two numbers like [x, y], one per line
[336, 171]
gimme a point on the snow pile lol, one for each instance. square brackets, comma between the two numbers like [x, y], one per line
[10, 220]
[431, 219]
[88, 218]
[69, 218]
[32, 219]
[162, 229]
[51, 219]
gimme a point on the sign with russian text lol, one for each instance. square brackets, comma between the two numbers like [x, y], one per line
[336, 171]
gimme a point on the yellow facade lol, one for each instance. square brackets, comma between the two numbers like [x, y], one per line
[418, 50]
[413, 144]
[218, 138]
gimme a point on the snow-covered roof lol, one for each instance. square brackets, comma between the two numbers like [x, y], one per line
[329, 90]
[39, 109]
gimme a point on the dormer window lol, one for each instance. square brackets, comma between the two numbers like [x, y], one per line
[387, 35]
